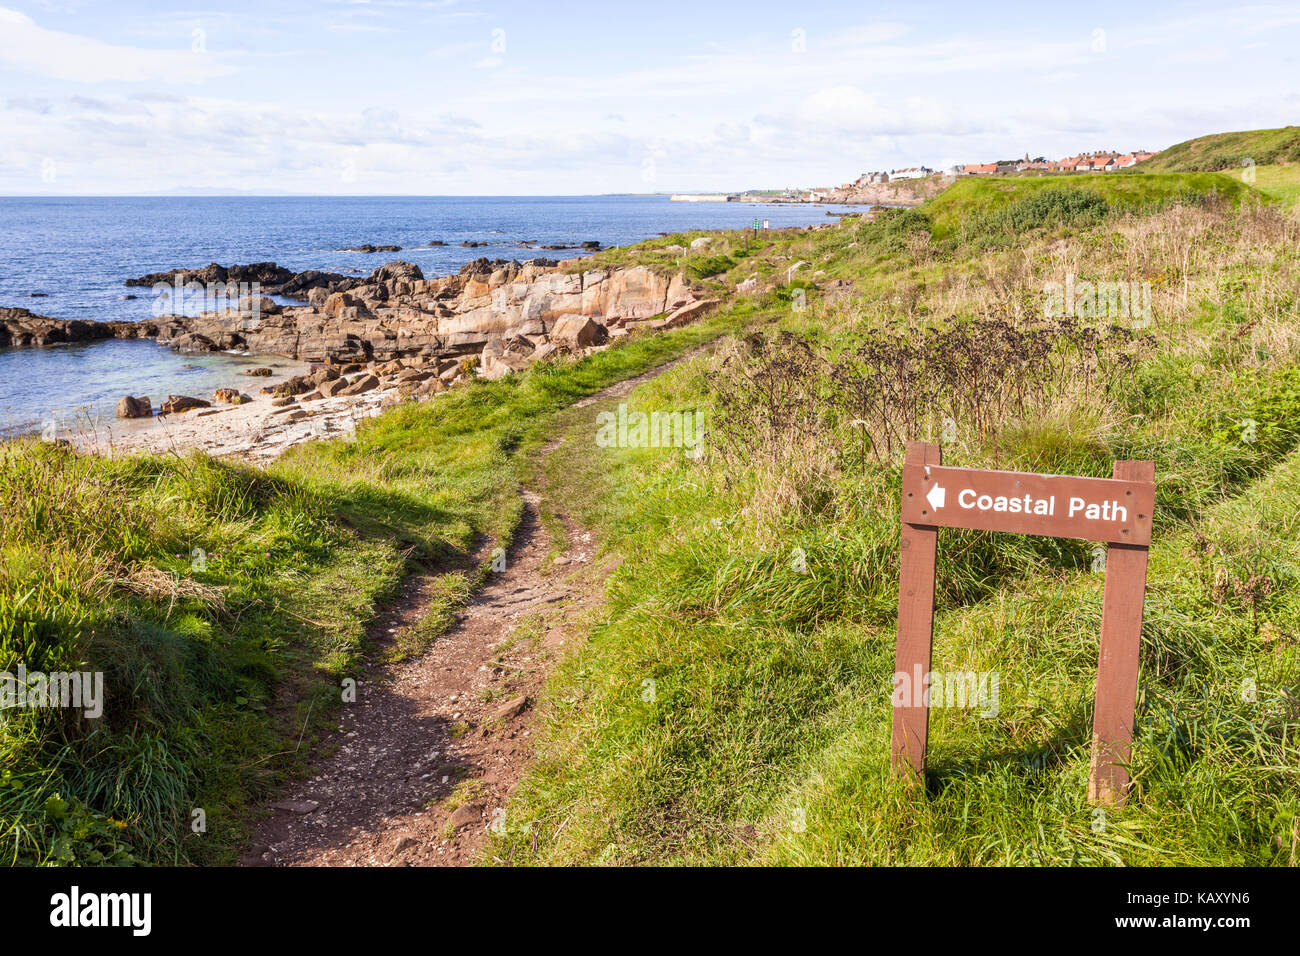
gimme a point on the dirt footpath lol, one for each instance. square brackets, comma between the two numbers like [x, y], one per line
[430, 752]
[428, 756]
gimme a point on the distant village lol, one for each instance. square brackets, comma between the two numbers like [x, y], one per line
[1102, 161]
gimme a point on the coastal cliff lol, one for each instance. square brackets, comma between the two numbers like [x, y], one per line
[900, 192]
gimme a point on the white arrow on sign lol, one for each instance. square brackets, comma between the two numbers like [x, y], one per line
[936, 496]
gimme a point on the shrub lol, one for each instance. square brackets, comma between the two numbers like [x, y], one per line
[893, 231]
[982, 374]
[706, 266]
[1054, 206]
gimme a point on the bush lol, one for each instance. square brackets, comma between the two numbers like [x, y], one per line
[1054, 206]
[981, 374]
[706, 266]
[893, 230]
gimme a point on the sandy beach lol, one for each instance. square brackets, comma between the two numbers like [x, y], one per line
[257, 431]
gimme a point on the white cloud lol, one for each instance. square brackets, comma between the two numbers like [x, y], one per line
[748, 112]
[850, 109]
[30, 48]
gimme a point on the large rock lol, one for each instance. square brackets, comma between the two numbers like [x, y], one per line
[365, 383]
[345, 305]
[332, 387]
[578, 331]
[304, 283]
[491, 367]
[20, 328]
[192, 342]
[129, 406]
[263, 273]
[298, 385]
[229, 396]
[394, 271]
[686, 314]
[257, 305]
[635, 293]
[175, 404]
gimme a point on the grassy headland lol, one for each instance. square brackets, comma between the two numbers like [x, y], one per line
[1228, 151]
[1268, 159]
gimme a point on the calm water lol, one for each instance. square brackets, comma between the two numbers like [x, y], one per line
[79, 251]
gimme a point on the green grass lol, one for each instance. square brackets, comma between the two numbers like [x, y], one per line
[1280, 183]
[1228, 151]
[225, 604]
[976, 198]
[732, 703]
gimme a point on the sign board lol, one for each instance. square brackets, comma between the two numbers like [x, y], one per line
[1056, 506]
[1116, 510]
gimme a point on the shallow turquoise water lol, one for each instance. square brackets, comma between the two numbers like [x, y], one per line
[77, 387]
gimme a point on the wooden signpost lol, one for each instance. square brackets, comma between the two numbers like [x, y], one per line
[1114, 510]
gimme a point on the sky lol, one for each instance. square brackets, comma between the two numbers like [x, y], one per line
[488, 97]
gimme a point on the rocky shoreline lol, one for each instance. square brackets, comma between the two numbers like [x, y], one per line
[391, 336]
[395, 313]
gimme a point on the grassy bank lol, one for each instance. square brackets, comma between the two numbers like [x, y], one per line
[226, 604]
[732, 706]
[1228, 151]
[979, 200]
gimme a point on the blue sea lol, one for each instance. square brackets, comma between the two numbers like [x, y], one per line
[78, 252]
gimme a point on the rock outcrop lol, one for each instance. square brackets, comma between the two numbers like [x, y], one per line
[397, 313]
[229, 396]
[263, 273]
[505, 312]
[175, 404]
[129, 406]
[901, 192]
[20, 328]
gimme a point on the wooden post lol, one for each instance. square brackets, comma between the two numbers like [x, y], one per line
[1117, 663]
[1116, 510]
[911, 723]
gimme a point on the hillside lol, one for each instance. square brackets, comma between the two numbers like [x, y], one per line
[729, 698]
[978, 198]
[1228, 151]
